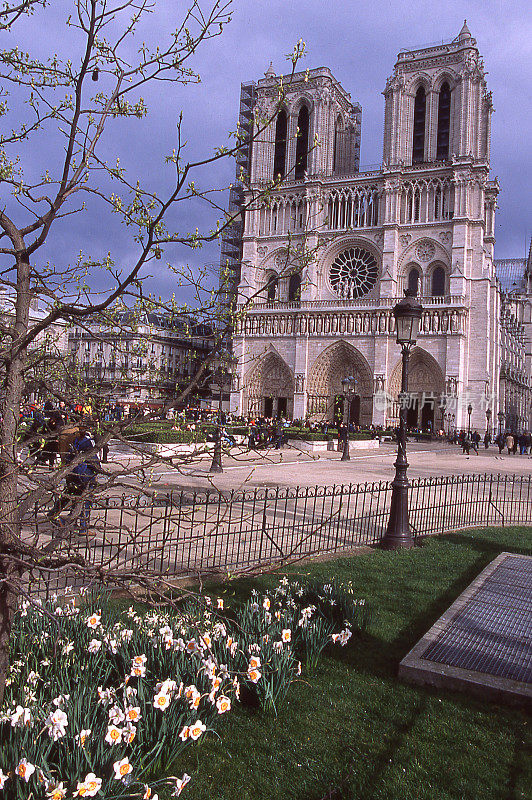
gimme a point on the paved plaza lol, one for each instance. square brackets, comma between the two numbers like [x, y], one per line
[289, 467]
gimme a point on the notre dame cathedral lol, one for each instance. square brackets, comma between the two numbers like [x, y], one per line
[321, 261]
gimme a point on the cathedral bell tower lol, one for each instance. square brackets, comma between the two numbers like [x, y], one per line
[437, 105]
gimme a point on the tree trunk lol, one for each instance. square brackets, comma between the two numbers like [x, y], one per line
[10, 522]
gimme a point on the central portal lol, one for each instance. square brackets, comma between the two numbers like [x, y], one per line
[325, 395]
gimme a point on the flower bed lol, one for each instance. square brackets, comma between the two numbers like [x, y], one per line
[99, 703]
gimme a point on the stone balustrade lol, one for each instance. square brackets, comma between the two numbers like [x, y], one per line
[343, 322]
[455, 301]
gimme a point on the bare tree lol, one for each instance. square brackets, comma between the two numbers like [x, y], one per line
[75, 104]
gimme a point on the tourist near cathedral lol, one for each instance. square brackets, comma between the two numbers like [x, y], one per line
[321, 262]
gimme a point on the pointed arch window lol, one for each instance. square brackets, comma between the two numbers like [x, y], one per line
[418, 140]
[294, 288]
[438, 282]
[444, 123]
[279, 159]
[271, 287]
[413, 280]
[302, 143]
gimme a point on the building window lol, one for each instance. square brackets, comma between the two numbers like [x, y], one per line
[279, 159]
[413, 280]
[271, 288]
[353, 273]
[418, 141]
[302, 143]
[444, 123]
[438, 282]
[294, 288]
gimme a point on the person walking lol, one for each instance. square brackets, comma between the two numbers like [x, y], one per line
[80, 482]
[510, 443]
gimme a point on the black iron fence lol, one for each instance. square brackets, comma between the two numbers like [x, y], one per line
[183, 533]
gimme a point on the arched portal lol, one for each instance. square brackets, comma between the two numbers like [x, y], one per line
[269, 388]
[426, 385]
[325, 391]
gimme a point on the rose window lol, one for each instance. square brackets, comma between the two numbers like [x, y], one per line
[353, 273]
[425, 251]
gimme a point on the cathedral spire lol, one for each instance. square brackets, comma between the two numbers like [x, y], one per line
[465, 33]
[270, 72]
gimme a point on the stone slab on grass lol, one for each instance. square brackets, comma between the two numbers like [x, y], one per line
[483, 642]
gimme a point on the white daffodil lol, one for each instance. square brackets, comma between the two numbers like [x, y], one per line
[122, 769]
[167, 687]
[192, 646]
[106, 695]
[161, 701]
[129, 732]
[94, 645]
[3, 778]
[254, 675]
[56, 723]
[89, 787]
[133, 713]
[94, 621]
[56, 791]
[193, 696]
[114, 735]
[196, 729]
[209, 667]
[180, 784]
[286, 635]
[82, 736]
[223, 704]
[61, 701]
[25, 769]
[116, 715]
[20, 717]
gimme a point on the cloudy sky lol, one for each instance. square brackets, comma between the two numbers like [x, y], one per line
[358, 41]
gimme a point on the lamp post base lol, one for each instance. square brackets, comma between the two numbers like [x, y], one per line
[345, 453]
[398, 534]
[216, 465]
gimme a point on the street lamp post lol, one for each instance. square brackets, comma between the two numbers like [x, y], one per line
[488, 418]
[216, 465]
[469, 411]
[398, 534]
[348, 386]
[221, 364]
[443, 417]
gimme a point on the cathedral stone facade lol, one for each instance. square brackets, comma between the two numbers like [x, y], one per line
[331, 249]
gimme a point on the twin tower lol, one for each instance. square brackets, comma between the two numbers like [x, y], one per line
[326, 254]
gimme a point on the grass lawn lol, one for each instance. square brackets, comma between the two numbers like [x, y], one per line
[351, 730]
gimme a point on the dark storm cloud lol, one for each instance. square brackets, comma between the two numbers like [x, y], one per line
[358, 41]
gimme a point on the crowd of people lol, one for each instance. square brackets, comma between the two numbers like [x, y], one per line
[57, 432]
